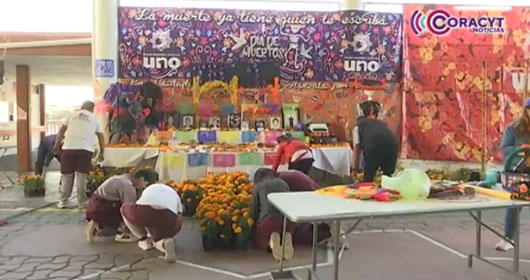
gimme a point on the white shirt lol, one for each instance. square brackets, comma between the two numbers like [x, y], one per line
[81, 129]
[161, 196]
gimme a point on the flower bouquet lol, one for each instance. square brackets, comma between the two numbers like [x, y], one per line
[224, 212]
[94, 180]
[190, 193]
[33, 185]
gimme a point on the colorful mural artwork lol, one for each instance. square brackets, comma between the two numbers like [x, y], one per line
[453, 59]
[160, 43]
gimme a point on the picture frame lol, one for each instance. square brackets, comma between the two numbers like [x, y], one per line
[214, 123]
[187, 122]
[275, 123]
[245, 126]
[203, 125]
[291, 119]
[234, 121]
[259, 125]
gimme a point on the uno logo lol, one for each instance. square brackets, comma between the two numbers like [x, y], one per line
[440, 22]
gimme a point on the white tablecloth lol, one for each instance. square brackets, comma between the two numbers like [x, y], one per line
[336, 160]
[127, 157]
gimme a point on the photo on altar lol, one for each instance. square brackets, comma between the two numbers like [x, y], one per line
[187, 122]
[245, 126]
[234, 121]
[275, 123]
[260, 125]
[203, 125]
[214, 123]
[290, 120]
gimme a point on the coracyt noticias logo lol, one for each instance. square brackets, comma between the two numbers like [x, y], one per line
[439, 22]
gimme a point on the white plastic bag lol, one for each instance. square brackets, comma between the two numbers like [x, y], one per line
[412, 184]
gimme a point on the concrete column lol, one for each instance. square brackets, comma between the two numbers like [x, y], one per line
[23, 118]
[104, 49]
[42, 104]
[351, 5]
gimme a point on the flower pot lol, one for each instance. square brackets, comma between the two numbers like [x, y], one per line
[209, 244]
[34, 193]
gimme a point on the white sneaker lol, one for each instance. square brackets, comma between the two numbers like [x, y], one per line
[503, 246]
[169, 250]
[91, 231]
[125, 238]
[145, 245]
[61, 205]
[276, 246]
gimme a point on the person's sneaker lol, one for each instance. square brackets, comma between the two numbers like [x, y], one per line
[504, 246]
[289, 249]
[125, 238]
[61, 205]
[146, 244]
[169, 250]
[91, 231]
[275, 245]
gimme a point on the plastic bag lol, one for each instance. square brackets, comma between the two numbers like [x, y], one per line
[412, 184]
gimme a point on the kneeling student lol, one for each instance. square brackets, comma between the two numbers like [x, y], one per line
[158, 213]
[103, 209]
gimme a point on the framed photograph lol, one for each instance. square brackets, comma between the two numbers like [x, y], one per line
[214, 123]
[290, 120]
[260, 125]
[275, 123]
[245, 126]
[203, 125]
[234, 121]
[187, 122]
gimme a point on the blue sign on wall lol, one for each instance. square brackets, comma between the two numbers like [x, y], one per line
[104, 68]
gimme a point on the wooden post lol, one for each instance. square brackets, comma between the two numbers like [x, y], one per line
[42, 104]
[23, 118]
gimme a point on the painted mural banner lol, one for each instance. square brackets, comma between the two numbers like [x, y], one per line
[160, 43]
[454, 58]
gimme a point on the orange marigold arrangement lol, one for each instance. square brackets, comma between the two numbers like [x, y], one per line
[223, 208]
[33, 185]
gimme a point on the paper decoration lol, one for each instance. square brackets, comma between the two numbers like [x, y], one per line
[246, 159]
[186, 108]
[195, 160]
[249, 108]
[227, 109]
[229, 136]
[270, 136]
[269, 158]
[273, 109]
[298, 135]
[207, 110]
[290, 107]
[207, 136]
[186, 136]
[249, 136]
[224, 160]
[171, 160]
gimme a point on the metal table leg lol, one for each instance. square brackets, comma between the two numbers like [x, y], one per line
[284, 228]
[4, 150]
[336, 250]
[516, 240]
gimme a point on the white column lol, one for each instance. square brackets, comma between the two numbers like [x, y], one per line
[104, 49]
[351, 5]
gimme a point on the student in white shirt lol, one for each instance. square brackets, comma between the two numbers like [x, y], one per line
[79, 132]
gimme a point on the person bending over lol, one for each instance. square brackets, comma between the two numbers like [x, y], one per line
[295, 152]
[103, 210]
[79, 133]
[45, 154]
[158, 213]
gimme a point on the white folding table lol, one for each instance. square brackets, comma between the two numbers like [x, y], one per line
[3, 150]
[311, 207]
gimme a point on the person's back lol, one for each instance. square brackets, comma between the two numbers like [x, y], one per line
[80, 134]
[117, 188]
[262, 209]
[298, 181]
[375, 134]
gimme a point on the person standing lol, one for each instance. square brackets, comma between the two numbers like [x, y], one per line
[377, 142]
[295, 152]
[103, 210]
[45, 154]
[79, 132]
[158, 213]
[516, 135]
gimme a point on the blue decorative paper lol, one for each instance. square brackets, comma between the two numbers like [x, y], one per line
[249, 136]
[104, 68]
[207, 136]
[195, 160]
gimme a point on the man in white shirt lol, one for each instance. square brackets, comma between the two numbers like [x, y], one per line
[158, 213]
[79, 132]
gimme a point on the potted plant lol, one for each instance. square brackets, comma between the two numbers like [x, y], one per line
[33, 185]
[94, 180]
